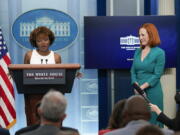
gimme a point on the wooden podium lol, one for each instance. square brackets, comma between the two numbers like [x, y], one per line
[34, 80]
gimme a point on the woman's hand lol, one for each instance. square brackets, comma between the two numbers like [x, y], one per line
[155, 108]
[144, 86]
[79, 75]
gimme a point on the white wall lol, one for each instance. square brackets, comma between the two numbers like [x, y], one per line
[168, 80]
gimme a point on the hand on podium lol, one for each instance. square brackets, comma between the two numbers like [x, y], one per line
[79, 75]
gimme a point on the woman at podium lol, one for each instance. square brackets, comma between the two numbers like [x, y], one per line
[41, 38]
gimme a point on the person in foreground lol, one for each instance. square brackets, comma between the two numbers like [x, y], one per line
[52, 113]
[174, 123]
[136, 114]
[4, 131]
[150, 130]
[68, 133]
[116, 119]
[176, 133]
[148, 67]
[35, 126]
[42, 38]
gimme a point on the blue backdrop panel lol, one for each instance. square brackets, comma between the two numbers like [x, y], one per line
[116, 37]
[104, 98]
[123, 87]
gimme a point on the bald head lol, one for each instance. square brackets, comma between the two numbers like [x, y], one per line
[136, 108]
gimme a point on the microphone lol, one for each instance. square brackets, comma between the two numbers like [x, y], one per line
[41, 61]
[141, 92]
[46, 61]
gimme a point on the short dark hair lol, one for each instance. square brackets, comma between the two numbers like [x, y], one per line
[136, 108]
[41, 30]
[149, 130]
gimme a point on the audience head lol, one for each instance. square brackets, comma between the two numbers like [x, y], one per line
[116, 119]
[53, 106]
[36, 109]
[177, 97]
[4, 131]
[68, 132]
[176, 133]
[149, 130]
[136, 108]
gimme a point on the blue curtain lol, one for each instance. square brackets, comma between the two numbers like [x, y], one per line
[150, 7]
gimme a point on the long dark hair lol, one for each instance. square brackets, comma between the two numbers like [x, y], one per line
[116, 119]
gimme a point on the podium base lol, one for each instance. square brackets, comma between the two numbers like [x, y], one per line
[31, 100]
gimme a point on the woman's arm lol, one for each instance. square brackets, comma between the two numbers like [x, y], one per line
[158, 69]
[57, 58]
[27, 57]
[133, 70]
[162, 117]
